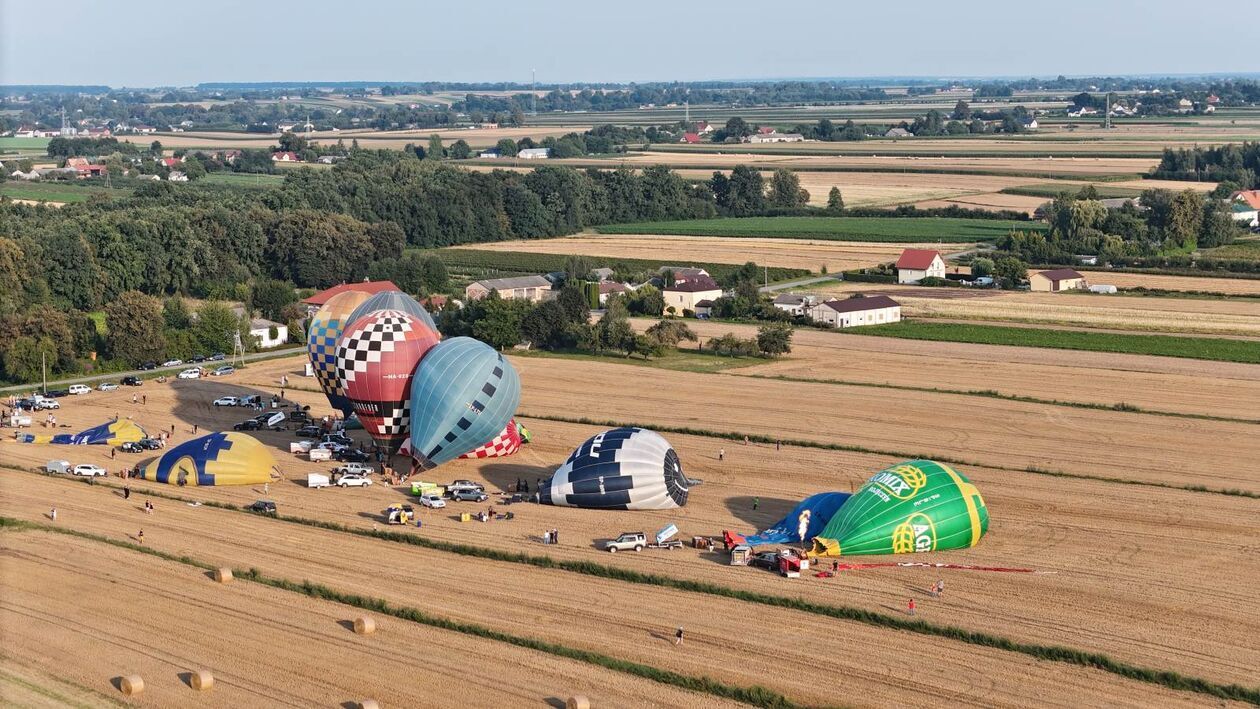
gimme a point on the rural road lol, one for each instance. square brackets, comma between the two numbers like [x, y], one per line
[796, 283]
[62, 383]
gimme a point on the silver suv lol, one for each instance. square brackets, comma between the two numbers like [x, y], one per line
[627, 541]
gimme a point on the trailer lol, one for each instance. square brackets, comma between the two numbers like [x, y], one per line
[317, 480]
[665, 538]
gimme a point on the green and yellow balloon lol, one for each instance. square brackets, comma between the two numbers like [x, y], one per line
[915, 506]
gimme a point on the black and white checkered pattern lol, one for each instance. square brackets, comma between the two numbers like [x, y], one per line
[395, 418]
[363, 346]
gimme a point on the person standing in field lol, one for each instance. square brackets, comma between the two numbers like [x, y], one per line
[910, 607]
[140, 536]
[126, 492]
[721, 454]
[678, 636]
[756, 503]
[53, 514]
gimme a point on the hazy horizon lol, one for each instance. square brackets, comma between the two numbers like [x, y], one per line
[157, 44]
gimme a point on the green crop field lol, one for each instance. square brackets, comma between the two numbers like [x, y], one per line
[57, 191]
[881, 229]
[26, 144]
[1247, 249]
[467, 265]
[1210, 348]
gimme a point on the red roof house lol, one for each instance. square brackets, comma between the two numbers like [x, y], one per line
[691, 138]
[916, 264]
[1249, 197]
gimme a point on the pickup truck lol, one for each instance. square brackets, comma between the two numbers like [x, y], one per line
[459, 485]
[354, 469]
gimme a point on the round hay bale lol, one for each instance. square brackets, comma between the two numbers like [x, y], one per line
[223, 575]
[364, 625]
[131, 684]
[369, 704]
[578, 702]
[201, 680]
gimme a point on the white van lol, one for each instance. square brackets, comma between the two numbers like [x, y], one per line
[78, 389]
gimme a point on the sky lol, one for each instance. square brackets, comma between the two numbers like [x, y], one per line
[144, 43]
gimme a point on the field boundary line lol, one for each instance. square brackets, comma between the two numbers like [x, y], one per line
[1056, 653]
[755, 695]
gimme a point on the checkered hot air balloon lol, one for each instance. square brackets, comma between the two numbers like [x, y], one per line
[507, 442]
[376, 359]
[327, 325]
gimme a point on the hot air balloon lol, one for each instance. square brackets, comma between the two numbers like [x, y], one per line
[916, 506]
[325, 330]
[463, 394]
[110, 433]
[213, 459]
[394, 300]
[621, 469]
[376, 359]
[509, 440]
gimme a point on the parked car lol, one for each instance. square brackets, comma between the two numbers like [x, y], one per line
[227, 401]
[149, 444]
[266, 507]
[248, 425]
[131, 447]
[469, 496]
[309, 432]
[354, 469]
[78, 389]
[57, 393]
[172, 363]
[191, 373]
[341, 438]
[223, 371]
[330, 446]
[58, 466]
[432, 501]
[25, 404]
[464, 485]
[131, 381]
[89, 470]
[149, 365]
[217, 357]
[299, 416]
[766, 560]
[107, 386]
[354, 480]
[351, 455]
[627, 541]
[41, 404]
[198, 359]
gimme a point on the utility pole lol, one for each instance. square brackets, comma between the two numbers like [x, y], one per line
[1107, 118]
[533, 96]
[43, 368]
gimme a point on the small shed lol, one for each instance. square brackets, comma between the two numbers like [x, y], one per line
[1059, 279]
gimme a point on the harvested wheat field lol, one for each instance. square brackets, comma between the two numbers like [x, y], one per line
[1070, 167]
[1205, 284]
[786, 253]
[1115, 312]
[1221, 389]
[1099, 597]
[120, 612]
[992, 201]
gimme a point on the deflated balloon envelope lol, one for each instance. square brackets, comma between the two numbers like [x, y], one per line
[376, 358]
[915, 506]
[327, 325]
[463, 394]
[214, 459]
[509, 440]
[622, 469]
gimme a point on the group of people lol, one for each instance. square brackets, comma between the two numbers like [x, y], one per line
[522, 485]
[551, 536]
[936, 590]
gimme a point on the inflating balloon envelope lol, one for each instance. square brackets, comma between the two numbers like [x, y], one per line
[621, 469]
[463, 394]
[325, 330]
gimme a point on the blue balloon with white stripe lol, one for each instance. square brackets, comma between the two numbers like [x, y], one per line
[464, 392]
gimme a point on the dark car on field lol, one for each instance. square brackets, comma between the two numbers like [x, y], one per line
[299, 417]
[150, 444]
[27, 404]
[149, 365]
[248, 425]
[309, 432]
[131, 381]
[341, 438]
[351, 455]
[57, 393]
[197, 359]
[266, 507]
[217, 357]
[131, 447]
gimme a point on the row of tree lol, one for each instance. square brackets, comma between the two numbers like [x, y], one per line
[1167, 223]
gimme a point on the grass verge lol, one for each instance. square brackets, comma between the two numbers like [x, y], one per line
[754, 696]
[877, 229]
[1207, 348]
